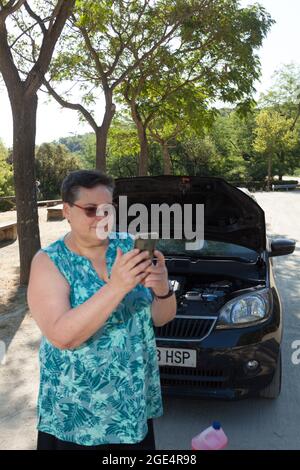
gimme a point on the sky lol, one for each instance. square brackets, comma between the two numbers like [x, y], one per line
[280, 47]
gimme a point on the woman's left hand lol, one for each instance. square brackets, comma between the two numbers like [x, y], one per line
[157, 278]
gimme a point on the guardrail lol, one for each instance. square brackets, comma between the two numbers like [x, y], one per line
[284, 186]
[9, 203]
[50, 202]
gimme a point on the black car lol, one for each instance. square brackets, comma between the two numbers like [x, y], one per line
[226, 338]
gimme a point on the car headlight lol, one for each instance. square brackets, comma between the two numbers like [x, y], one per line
[246, 308]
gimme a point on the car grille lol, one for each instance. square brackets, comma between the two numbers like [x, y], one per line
[186, 328]
[201, 378]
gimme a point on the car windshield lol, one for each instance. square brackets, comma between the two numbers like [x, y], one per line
[211, 249]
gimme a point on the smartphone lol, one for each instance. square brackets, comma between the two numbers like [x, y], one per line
[146, 241]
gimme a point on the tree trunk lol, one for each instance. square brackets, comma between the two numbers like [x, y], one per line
[142, 135]
[167, 159]
[101, 142]
[144, 152]
[269, 172]
[102, 132]
[24, 130]
[23, 99]
[282, 167]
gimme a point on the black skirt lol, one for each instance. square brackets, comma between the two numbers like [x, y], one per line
[48, 442]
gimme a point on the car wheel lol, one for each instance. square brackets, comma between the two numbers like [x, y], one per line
[273, 390]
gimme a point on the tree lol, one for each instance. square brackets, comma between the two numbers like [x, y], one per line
[123, 147]
[105, 42]
[53, 163]
[22, 87]
[183, 112]
[196, 155]
[274, 138]
[284, 95]
[215, 49]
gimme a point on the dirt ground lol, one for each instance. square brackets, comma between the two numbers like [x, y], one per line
[10, 295]
[19, 370]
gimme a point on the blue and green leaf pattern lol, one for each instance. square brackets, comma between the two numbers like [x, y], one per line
[104, 391]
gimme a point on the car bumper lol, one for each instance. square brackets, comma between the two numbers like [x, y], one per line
[222, 373]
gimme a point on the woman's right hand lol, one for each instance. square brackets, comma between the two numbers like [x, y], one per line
[129, 269]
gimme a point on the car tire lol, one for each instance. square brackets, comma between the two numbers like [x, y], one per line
[273, 390]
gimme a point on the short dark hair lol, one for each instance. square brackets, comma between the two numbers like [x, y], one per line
[83, 179]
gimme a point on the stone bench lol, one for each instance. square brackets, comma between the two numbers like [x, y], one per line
[55, 212]
[284, 186]
[8, 231]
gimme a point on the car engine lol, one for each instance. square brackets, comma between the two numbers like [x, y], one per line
[204, 298]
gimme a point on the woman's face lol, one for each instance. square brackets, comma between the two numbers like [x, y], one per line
[82, 225]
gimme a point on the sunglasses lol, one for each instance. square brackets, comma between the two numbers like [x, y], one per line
[92, 211]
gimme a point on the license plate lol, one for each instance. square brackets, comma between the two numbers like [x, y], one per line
[177, 357]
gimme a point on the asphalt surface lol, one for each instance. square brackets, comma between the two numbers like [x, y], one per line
[254, 423]
[249, 424]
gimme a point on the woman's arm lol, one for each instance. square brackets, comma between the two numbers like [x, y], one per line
[162, 310]
[48, 298]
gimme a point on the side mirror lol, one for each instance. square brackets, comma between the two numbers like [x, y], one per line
[281, 246]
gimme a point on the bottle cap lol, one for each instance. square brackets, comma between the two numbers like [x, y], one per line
[216, 425]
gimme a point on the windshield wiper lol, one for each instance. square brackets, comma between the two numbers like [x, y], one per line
[205, 257]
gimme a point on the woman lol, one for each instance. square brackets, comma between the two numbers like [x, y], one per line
[91, 298]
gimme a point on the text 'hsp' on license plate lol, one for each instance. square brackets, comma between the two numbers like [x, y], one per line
[177, 357]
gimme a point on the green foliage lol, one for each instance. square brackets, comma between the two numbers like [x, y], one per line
[195, 155]
[182, 112]
[82, 145]
[198, 155]
[225, 149]
[123, 148]
[53, 163]
[222, 44]
[122, 138]
[275, 139]
[213, 58]
[172, 57]
[284, 94]
[6, 173]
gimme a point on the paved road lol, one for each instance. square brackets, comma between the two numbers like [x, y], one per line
[254, 423]
[250, 424]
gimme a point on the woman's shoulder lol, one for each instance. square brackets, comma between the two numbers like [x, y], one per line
[54, 247]
[55, 255]
[56, 251]
[45, 257]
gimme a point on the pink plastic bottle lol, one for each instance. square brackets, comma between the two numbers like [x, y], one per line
[212, 438]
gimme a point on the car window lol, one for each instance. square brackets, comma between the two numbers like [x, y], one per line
[208, 248]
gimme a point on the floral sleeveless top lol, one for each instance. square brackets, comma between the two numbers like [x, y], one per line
[103, 391]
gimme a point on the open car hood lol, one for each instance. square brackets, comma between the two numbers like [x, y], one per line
[230, 215]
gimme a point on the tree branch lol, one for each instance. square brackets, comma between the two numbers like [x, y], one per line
[10, 8]
[165, 36]
[76, 106]
[37, 18]
[129, 38]
[22, 34]
[296, 118]
[94, 54]
[7, 66]
[35, 77]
